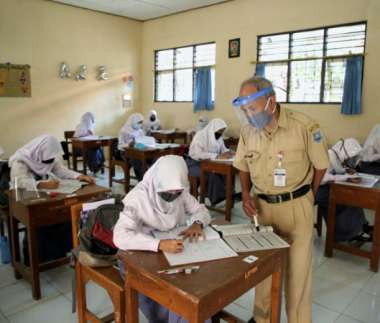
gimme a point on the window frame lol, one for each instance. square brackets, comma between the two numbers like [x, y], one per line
[176, 69]
[324, 58]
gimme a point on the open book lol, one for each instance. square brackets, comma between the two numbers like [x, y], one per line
[366, 180]
[211, 247]
[245, 238]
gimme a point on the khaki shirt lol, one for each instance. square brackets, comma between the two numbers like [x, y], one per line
[297, 137]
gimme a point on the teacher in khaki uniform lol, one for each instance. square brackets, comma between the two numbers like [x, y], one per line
[284, 155]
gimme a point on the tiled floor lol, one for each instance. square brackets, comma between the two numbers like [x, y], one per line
[345, 291]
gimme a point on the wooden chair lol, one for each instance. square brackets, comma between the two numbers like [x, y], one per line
[106, 277]
[194, 183]
[126, 170]
[69, 134]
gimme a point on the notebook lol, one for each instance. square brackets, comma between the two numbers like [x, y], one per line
[211, 247]
[367, 180]
[245, 238]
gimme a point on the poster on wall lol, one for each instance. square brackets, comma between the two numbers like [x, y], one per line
[15, 80]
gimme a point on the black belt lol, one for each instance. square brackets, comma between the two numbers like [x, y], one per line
[279, 198]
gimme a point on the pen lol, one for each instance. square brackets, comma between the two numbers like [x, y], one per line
[257, 226]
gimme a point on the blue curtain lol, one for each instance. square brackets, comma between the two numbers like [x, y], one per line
[203, 89]
[260, 70]
[352, 90]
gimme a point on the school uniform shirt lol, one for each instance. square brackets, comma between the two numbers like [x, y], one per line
[204, 145]
[86, 126]
[131, 130]
[145, 211]
[371, 149]
[26, 163]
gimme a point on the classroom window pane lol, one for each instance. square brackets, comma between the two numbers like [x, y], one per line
[277, 73]
[305, 81]
[345, 40]
[184, 85]
[273, 48]
[164, 86]
[164, 60]
[307, 44]
[334, 80]
[205, 55]
[184, 57]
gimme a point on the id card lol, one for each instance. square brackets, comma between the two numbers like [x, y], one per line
[279, 177]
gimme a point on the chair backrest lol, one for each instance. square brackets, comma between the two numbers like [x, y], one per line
[75, 216]
[68, 135]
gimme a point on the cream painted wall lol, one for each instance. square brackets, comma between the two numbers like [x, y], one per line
[247, 19]
[43, 34]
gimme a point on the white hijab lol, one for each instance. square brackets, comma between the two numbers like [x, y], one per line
[33, 153]
[86, 125]
[371, 149]
[168, 173]
[342, 150]
[206, 136]
[132, 122]
[153, 125]
[202, 122]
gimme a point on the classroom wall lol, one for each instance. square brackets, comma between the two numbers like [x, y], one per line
[43, 34]
[246, 19]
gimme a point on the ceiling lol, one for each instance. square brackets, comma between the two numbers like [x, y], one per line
[140, 9]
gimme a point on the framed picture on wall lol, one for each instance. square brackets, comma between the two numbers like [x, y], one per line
[234, 48]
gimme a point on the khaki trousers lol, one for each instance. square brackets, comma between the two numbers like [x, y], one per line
[292, 220]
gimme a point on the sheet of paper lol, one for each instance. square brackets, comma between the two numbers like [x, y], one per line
[224, 160]
[146, 140]
[165, 146]
[66, 186]
[165, 131]
[255, 242]
[211, 248]
[240, 229]
[367, 180]
[94, 205]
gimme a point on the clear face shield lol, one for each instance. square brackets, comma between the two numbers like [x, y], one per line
[248, 111]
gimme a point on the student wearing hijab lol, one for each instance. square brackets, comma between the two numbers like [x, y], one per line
[129, 133]
[208, 143]
[202, 123]
[370, 154]
[95, 156]
[153, 122]
[351, 224]
[31, 165]
[160, 202]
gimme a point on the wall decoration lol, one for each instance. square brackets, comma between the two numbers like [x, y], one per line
[127, 96]
[102, 73]
[81, 73]
[15, 80]
[234, 48]
[64, 71]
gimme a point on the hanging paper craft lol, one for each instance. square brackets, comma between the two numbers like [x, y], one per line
[15, 80]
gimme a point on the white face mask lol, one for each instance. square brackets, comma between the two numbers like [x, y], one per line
[137, 126]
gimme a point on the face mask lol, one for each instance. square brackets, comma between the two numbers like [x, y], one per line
[218, 135]
[262, 119]
[137, 126]
[153, 118]
[169, 197]
[48, 161]
[350, 162]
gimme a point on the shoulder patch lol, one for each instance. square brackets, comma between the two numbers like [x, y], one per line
[317, 136]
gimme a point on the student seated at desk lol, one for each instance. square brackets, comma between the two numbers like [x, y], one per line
[160, 202]
[351, 224]
[208, 143]
[31, 165]
[153, 123]
[128, 134]
[370, 155]
[95, 156]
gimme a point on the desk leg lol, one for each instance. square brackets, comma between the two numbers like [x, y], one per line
[374, 262]
[330, 225]
[34, 261]
[84, 153]
[15, 245]
[202, 193]
[75, 161]
[132, 304]
[276, 294]
[229, 198]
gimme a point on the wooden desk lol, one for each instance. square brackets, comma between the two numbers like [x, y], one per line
[87, 143]
[368, 198]
[38, 213]
[170, 137]
[223, 168]
[202, 294]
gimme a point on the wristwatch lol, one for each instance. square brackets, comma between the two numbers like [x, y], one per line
[198, 222]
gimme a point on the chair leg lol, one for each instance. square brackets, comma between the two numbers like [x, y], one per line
[81, 294]
[118, 300]
[319, 222]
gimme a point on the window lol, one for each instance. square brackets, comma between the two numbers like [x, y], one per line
[174, 71]
[309, 66]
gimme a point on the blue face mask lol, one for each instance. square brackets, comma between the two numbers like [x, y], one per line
[262, 119]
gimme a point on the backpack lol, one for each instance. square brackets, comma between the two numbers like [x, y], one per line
[96, 247]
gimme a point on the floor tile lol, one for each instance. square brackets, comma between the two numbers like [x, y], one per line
[365, 307]
[347, 319]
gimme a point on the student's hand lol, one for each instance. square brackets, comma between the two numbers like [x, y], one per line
[226, 155]
[171, 245]
[48, 185]
[86, 178]
[351, 171]
[193, 232]
[249, 205]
